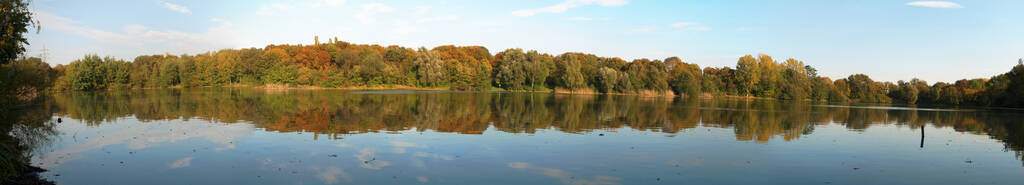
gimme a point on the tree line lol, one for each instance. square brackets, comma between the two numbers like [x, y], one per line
[338, 64]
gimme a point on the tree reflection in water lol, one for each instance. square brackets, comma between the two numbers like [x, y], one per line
[26, 131]
[334, 113]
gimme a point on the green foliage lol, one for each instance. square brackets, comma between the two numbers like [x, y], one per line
[863, 89]
[795, 84]
[747, 74]
[15, 18]
[606, 80]
[684, 78]
[511, 70]
[905, 92]
[429, 68]
[282, 74]
[645, 74]
[537, 69]
[22, 80]
[93, 73]
[569, 73]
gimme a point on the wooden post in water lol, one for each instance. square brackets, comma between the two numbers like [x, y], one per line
[922, 136]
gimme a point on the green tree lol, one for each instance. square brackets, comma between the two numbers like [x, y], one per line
[511, 71]
[863, 89]
[16, 19]
[795, 85]
[537, 68]
[747, 74]
[607, 78]
[568, 71]
[428, 67]
[684, 78]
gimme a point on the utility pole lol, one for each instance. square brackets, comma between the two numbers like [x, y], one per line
[44, 54]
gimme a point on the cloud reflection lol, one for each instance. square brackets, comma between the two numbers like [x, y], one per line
[142, 136]
[331, 175]
[563, 176]
[181, 163]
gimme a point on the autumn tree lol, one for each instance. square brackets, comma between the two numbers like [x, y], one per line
[684, 78]
[747, 74]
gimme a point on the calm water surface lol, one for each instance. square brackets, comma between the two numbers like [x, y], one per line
[250, 136]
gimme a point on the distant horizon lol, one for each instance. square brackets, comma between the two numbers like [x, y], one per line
[936, 41]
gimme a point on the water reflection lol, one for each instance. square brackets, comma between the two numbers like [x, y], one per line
[330, 113]
[24, 131]
[340, 137]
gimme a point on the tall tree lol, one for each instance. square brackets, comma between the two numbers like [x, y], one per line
[15, 19]
[429, 67]
[747, 74]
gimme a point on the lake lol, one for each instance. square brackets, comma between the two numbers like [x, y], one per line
[256, 136]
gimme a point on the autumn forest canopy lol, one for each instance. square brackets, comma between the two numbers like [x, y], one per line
[338, 64]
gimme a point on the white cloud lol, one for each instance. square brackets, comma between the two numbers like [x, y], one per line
[366, 16]
[181, 163]
[689, 26]
[568, 4]
[935, 4]
[272, 9]
[176, 8]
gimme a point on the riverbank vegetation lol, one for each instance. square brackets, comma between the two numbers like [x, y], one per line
[21, 82]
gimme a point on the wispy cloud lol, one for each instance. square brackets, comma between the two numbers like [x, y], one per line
[935, 4]
[281, 8]
[139, 36]
[690, 26]
[580, 19]
[420, 10]
[568, 4]
[366, 15]
[176, 8]
[332, 3]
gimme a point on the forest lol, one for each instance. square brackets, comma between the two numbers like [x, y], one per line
[338, 64]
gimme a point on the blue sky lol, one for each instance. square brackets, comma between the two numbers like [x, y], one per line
[888, 40]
